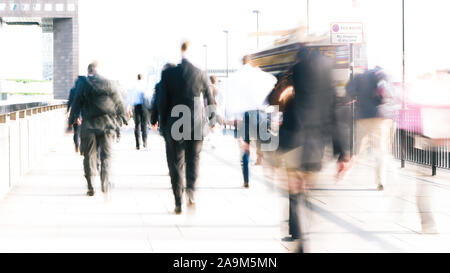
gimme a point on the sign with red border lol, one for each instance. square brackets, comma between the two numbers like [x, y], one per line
[347, 33]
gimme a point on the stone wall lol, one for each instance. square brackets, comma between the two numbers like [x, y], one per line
[26, 136]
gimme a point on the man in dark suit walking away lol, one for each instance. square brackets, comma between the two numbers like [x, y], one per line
[182, 122]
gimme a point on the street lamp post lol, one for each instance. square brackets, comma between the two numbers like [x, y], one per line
[307, 17]
[403, 51]
[403, 134]
[257, 27]
[226, 32]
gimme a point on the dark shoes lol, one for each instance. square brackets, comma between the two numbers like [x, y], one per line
[380, 188]
[190, 197]
[291, 238]
[177, 210]
[138, 145]
[77, 150]
[90, 192]
[246, 185]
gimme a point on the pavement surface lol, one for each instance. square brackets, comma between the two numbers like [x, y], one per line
[50, 212]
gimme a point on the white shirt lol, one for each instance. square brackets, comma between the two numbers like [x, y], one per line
[247, 89]
[137, 93]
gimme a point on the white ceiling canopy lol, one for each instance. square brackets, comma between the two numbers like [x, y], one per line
[22, 20]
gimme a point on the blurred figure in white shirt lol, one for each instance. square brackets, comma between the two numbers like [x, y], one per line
[136, 101]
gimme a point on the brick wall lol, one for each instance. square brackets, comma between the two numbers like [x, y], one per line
[65, 56]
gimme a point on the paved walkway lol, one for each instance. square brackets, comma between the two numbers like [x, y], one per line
[49, 211]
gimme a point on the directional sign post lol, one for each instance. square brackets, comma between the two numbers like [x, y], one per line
[347, 33]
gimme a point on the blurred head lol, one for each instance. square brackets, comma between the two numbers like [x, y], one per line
[213, 79]
[167, 66]
[92, 68]
[379, 73]
[302, 54]
[139, 76]
[185, 47]
[246, 59]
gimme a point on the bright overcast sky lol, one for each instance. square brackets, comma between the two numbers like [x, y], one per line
[128, 37]
[138, 33]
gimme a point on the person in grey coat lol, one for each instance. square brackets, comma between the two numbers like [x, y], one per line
[104, 112]
[76, 125]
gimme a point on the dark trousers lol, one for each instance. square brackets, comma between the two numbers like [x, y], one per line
[250, 118]
[182, 156]
[297, 203]
[97, 157]
[76, 135]
[140, 124]
[244, 163]
[294, 216]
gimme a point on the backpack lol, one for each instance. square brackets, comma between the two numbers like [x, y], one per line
[99, 98]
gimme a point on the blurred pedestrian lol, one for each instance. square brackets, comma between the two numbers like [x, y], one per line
[309, 125]
[77, 123]
[154, 108]
[182, 87]
[373, 126]
[424, 192]
[247, 92]
[136, 101]
[209, 139]
[218, 97]
[123, 96]
[103, 110]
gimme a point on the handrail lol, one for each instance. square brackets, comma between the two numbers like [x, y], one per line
[10, 108]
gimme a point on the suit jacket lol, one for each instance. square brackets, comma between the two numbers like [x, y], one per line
[364, 88]
[183, 85]
[154, 112]
[101, 104]
[71, 97]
